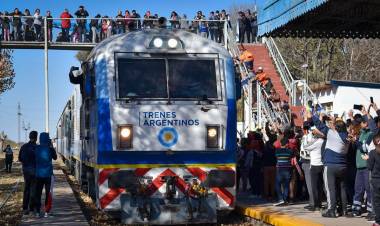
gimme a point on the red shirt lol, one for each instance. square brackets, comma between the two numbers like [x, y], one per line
[65, 23]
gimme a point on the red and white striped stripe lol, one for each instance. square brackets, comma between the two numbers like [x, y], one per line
[110, 198]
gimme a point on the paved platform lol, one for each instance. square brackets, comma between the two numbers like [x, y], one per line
[291, 215]
[65, 211]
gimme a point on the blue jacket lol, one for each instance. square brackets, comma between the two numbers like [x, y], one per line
[27, 158]
[336, 144]
[44, 155]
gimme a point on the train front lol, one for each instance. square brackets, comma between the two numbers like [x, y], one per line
[165, 128]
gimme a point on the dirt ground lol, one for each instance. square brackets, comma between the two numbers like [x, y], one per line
[11, 212]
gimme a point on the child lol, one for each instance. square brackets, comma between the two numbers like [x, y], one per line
[373, 164]
[284, 156]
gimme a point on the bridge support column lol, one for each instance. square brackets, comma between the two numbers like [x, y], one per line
[46, 77]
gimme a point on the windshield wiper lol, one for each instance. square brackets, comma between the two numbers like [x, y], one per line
[204, 98]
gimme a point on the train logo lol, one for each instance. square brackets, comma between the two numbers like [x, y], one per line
[168, 137]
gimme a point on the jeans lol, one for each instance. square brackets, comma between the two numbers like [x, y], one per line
[16, 32]
[120, 30]
[38, 27]
[42, 182]
[283, 176]
[29, 191]
[361, 187]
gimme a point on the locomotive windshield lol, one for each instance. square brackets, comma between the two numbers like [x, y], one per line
[192, 78]
[142, 78]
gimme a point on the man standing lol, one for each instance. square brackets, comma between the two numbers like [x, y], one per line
[28, 161]
[81, 14]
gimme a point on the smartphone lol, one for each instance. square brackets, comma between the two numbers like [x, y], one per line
[371, 98]
[358, 107]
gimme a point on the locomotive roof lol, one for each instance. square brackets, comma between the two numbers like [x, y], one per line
[138, 41]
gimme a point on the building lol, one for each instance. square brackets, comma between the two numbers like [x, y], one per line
[338, 97]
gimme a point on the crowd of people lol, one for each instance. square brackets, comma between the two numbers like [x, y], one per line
[331, 158]
[79, 27]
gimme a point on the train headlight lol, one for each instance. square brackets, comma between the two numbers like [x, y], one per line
[212, 136]
[157, 42]
[172, 43]
[125, 135]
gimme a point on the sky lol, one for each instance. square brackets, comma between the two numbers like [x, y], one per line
[29, 64]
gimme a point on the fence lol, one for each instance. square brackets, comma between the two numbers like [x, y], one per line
[94, 30]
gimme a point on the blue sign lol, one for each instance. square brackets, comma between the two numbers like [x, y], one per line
[168, 136]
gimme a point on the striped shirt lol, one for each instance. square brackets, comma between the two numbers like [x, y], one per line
[284, 156]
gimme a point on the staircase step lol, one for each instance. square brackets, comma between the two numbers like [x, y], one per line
[263, 59]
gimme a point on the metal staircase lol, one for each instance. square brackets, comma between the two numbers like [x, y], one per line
[298, 90]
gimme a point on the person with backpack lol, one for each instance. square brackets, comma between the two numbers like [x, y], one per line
[8, 158]
[44, 153]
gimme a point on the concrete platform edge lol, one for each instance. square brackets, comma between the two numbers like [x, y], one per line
[273, 217]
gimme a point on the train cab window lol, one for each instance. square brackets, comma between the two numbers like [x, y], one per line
[141, 78]
[192, 79]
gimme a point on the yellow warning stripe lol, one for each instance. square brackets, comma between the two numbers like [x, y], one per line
[110, 166]
[273, 217]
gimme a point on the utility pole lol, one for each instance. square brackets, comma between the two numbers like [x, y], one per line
[26, 128]
[18, 122]
[46, 78]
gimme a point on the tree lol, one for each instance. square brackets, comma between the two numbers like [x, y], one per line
[341, 59]
[7, 72]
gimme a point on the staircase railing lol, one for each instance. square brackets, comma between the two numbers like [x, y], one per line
[230, 43]
[298, 90]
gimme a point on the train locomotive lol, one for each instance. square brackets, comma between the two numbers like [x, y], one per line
[150, 129]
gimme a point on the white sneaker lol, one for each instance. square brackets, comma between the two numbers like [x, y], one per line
[46, 215]
[280, 203]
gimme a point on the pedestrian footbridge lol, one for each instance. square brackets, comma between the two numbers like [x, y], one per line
[50, 45]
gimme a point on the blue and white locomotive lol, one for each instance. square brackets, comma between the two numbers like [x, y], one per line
[151, 129]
